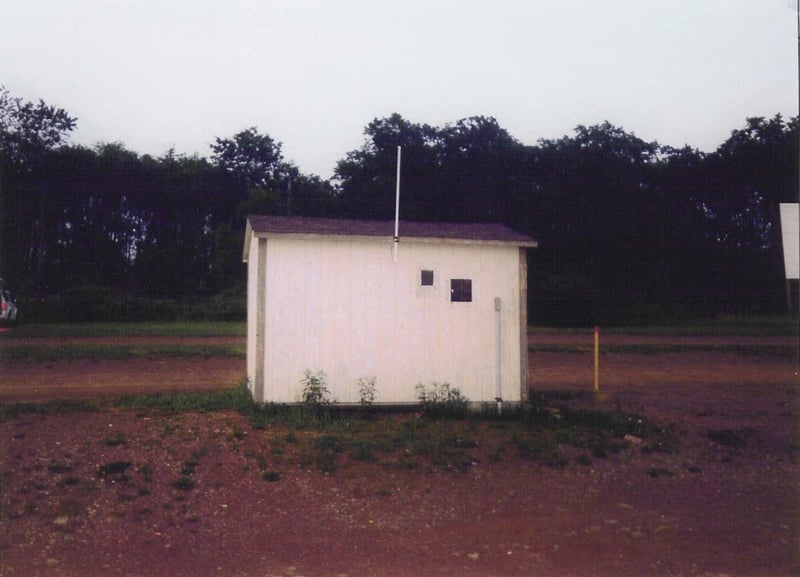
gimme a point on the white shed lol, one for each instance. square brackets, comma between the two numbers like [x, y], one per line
[447, 304]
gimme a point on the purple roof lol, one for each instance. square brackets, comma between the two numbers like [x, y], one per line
[480, 232]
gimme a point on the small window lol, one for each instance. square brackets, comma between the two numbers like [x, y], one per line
[461, 290]
[426, 278]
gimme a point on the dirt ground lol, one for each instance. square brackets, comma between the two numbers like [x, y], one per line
[723, 502]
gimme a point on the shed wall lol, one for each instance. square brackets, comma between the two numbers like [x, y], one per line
[344, 307]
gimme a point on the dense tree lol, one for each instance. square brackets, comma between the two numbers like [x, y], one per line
[623, 224]
[600, 182]
[482, 171]
[178, 215]
[94, 230]
[265, 183]
[594, 212]
[629, 230]
[467, 171]
[254, 158]
[366, 177]
[27, 130]
[745, 180]
[28, 133]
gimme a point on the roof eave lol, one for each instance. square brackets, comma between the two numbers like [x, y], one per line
[371, 237]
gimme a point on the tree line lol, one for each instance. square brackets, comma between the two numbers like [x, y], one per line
[628, 230]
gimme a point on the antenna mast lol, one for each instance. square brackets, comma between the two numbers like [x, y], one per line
[396, 238]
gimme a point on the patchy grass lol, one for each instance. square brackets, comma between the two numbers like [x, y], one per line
[15, 351]
[733, 438]
[15, 410]
[743, 325]
[543, 430]
[656, 472]
[726, 325]
[233, 399]
[657, 349]
[271, 476]
[442, 400]
[116, 439]
[546, 431]
[184, 483]
[17, 345]
[144, 329]
[114, 469]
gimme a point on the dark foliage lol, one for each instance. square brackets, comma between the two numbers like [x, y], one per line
[630, 231]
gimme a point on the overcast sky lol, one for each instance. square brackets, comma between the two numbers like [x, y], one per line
[156, 74]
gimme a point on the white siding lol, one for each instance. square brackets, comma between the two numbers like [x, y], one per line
[344, 307]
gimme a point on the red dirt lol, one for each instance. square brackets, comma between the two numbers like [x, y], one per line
[91, 379]
[725, 504]
[28, 381]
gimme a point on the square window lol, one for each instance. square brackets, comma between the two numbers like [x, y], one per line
[461, 290]
[426, 278]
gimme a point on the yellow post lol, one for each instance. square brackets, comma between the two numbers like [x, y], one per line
[596, 358]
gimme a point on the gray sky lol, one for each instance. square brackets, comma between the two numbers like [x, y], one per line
[155, 74]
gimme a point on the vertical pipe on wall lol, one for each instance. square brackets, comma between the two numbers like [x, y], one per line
[523, 324]
[499, 360]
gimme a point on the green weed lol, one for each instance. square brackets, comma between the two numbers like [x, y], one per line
[70, 351]
[15, 410]
[131, 329]
[189, 467]
[316, 398]
[327, 448]
[725, 325]
[442, 400]
[59, 468]
[184, 483]
[735, 439]
[115, 439]
[237, 398]
[315, 388]
[366, 391]
[114, 469]
[328, 443]
[271, 476]
[365, 449]
[658, 349]
[69, 481]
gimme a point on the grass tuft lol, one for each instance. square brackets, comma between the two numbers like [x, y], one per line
[114, 468]
[116, 439]
[184, 483]
[15, 410]
[236, 399]
[735, 439]
[272, 476]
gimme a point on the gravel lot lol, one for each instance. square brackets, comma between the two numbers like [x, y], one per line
[723, 503]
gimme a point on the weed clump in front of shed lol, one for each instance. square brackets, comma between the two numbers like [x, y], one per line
[442, 400]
